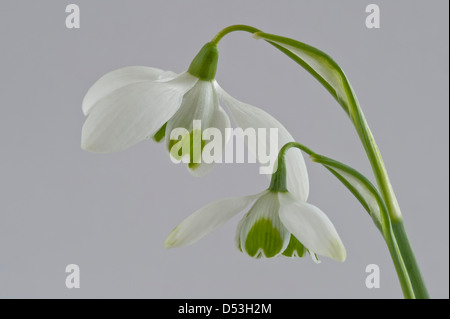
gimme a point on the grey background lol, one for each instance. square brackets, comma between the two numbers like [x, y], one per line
[111, 213]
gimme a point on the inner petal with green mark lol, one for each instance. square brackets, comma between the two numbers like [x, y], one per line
[295, 248]
[263, 239]
[260, 233]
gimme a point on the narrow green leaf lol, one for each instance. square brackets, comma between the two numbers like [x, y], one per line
[358, 185]
[318, 64]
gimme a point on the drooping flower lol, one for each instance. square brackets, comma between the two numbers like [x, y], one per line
[132, 104]
[278, 223]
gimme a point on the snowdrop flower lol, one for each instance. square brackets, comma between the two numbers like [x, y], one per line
[132, 104]
[278, 223]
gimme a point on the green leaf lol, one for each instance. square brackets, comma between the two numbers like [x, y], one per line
[318, 64]
[358, 185]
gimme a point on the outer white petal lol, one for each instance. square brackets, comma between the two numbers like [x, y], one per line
[167, 76]
[207, 219]
[221, 121]
[245, 116]
[311, 226]
[115, 80]
[131, 113]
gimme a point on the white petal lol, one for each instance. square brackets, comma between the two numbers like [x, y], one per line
[311, 227]
[199, 104]
[261, 233]
[115, 80]
[167, 76]
[220, 121]
[245, 116]
[314, 257]
[131, 113]
[207, 219]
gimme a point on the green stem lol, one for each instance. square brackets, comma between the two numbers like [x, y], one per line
[410, 261]
[399, 234]
[232, 28]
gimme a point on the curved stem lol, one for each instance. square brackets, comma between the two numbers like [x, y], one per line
[420, 289]
[278, 181]
[232, 28]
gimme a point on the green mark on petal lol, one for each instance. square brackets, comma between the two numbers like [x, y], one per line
[179, 148]
[160, 134]
[295, 248]
[196, 142]
[191, 144]
[263, 237]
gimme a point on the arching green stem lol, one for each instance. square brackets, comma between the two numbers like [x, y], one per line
[232, 28]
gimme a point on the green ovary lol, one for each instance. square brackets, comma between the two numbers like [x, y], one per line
[263, 236]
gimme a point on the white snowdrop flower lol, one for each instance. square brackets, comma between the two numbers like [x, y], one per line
[278, 223]
[132, 104]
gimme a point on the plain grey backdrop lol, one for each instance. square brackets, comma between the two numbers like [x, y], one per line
[111, 213]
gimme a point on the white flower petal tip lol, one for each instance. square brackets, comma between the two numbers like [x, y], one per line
[312, 227]
[314, 257]
[201, 169]
[173, 240]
